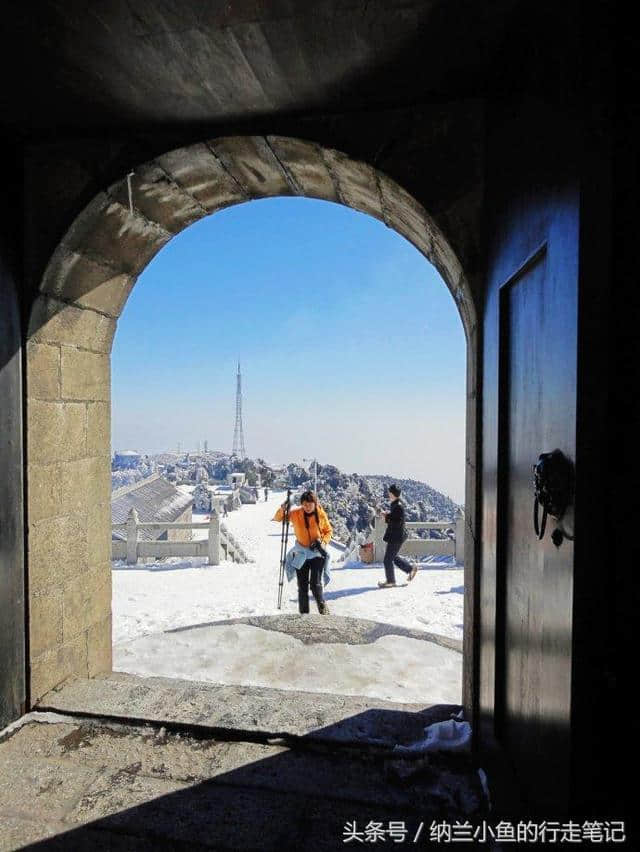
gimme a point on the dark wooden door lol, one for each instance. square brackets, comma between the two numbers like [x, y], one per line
[530, 408]
[537, 413]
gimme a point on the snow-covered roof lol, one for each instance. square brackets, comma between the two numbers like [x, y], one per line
[154, 499]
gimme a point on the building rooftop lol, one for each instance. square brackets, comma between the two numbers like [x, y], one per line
[153, 498]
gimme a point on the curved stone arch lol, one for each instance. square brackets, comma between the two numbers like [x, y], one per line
[83, 292]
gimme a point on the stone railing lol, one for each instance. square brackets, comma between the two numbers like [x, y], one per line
[415, 547]
[220, 543]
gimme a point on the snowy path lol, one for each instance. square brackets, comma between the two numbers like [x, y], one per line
[177, 593]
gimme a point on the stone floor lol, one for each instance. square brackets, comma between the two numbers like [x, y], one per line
[124, 762]
[79, 783]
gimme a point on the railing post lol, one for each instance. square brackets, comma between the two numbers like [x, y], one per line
[214, 538]
[379, 529]
[459, 533]
[132, 537]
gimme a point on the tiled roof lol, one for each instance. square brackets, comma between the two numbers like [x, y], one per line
[154, 499]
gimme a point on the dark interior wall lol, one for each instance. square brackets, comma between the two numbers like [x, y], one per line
[12, 592]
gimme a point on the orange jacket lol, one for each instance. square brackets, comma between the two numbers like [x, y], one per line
[323, 530]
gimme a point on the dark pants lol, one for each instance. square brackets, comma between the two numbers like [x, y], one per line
[391, 558]
[310, 575]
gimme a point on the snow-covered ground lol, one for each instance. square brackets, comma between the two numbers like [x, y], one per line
[155, 597]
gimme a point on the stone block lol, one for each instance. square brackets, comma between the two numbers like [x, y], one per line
[57, 431]
[96, 585]
[57, 665]
[85, 375]
[99, 429]
[45, 496]
[83, 280]
[198, 172]
[99, 648]
[41, 790]
[74, 491]
[57, 552]
[99, 533]
[43, 371]
[356, 183]
[304, 162]
[74, 610]
[99, 481]
[106, 230]
[253, 164]
[54, 322]
[158, 198]
[45, 621]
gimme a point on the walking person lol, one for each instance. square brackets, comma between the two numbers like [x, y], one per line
[395, 536]
[266, 494]
[308, 557]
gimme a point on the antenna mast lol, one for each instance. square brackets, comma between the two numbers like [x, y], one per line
[238, 434]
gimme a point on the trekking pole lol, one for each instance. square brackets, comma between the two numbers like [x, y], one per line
[283, 545]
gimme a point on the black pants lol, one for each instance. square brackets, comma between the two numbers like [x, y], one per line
[391, 558]
[310, 575]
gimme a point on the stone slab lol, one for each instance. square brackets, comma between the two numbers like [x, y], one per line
[139, 785]
[248, 711]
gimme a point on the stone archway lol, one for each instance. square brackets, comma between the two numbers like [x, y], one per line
[72, 325]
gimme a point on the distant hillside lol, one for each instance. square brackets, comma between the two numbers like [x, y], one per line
[347, 497]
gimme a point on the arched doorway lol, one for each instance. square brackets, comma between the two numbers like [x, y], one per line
[82, 294]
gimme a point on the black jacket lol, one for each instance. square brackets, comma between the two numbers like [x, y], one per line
[395, 523]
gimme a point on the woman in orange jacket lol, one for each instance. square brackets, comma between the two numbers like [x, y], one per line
[313, 532]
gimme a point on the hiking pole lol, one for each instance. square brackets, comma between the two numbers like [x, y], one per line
[283, 545]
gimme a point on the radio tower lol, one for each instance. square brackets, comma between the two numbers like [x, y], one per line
[238, 435]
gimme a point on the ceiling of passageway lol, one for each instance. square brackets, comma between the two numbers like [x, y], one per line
[158, 61]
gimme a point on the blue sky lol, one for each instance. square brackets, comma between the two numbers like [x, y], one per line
[351, 347]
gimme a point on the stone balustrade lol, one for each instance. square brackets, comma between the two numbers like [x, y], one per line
[219, 544]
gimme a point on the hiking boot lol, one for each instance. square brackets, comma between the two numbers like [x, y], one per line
[323, 609]
[412, 573]
[386, 585]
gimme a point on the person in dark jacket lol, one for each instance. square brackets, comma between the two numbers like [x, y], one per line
[395, 537]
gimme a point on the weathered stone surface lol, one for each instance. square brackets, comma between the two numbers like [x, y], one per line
[96, 585]
[74, 479]
[158, 198]
[99, 533]
[99, 647]
[85, 375]
[305, 163]
[57, 665]
[52, 321]
[87, 602]
[202, 176]
[46, 621]
[135, 782]
[45, 497]
[57, 551]
[74, 618]
[57, 431]
[86, 282]
[252, 163]
[406, 216]
[107, 230]
[320, 716]
[20, 832]
[99, 428]
[99, 485]
[356, 183]
[43, 371]
[22, 787]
